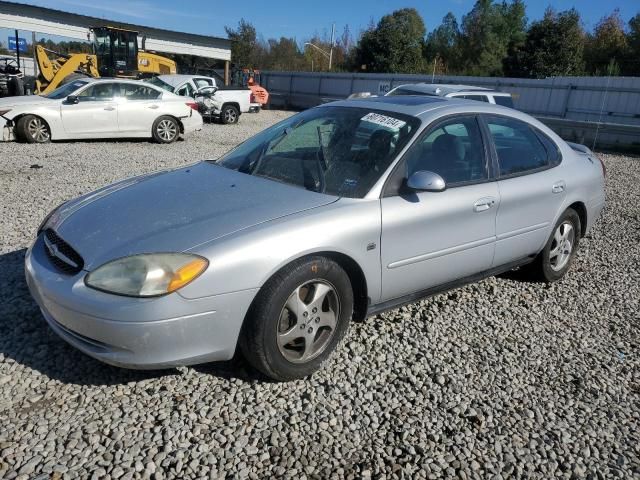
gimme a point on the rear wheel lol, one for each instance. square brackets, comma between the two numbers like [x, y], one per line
[32, 129]
[298, 319]
[558, 254]
[165, 130]
[229, 114]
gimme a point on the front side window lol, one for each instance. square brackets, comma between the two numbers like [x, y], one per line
[133, 91]
[340, 151]
[518, 147]
[453, 149]
[98, 92]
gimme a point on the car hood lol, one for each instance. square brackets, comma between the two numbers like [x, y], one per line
[174, 211]
[24, 100]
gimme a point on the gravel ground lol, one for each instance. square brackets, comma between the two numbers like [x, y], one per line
[500, 379]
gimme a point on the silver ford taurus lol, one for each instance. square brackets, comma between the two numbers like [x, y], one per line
[339, 212]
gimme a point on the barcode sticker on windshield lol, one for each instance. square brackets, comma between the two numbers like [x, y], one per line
[384, 121]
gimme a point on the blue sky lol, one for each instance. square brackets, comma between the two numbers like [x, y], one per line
[300, 18]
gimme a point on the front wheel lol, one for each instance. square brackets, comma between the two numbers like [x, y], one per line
[165, 130]
[298, 319]
[558, 254]
[32, 129]
[229, 114]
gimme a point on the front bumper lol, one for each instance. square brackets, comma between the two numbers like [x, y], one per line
[141, 333]
[7, 133]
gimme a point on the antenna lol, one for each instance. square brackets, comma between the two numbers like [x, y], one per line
[604, 99]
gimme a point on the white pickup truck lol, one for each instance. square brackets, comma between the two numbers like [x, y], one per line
[224, 103]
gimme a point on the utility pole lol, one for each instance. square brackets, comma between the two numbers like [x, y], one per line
[333, 33]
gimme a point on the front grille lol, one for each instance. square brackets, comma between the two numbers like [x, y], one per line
[61, 254]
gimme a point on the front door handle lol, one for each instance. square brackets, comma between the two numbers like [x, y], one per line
[484, 204]
[559, 187]
[153, 107]
[109, 108]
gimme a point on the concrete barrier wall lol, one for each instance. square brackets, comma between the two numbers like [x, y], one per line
[576, 107]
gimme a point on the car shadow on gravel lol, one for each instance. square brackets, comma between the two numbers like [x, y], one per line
[26, 339]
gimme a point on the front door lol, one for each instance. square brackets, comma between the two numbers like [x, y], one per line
[96, 112]
[432, 238]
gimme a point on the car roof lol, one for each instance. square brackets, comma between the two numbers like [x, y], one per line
[442, 89]
[422, 106]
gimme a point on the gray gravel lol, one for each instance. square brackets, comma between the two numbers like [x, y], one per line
[497, 380]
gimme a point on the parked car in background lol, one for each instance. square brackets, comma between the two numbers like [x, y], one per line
[344, 210]
[91, 108]
[454, 91]
[223, 103]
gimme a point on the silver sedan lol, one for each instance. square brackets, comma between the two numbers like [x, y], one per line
[334, 214]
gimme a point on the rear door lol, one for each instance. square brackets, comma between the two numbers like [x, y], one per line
[532, 191]
[432, 238]
[95, 114]
[138, 107]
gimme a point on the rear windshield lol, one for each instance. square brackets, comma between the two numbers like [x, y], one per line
[407, 91]
[504, 101]
[160, 83]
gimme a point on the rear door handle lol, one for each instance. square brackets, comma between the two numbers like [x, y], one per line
[558, 187]
[484, 204]
[153, 107]
[109, 108]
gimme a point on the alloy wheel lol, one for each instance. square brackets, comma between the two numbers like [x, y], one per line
[308, 321]
[167, 130]
[38, 130]
[562, 246]
[230, 115]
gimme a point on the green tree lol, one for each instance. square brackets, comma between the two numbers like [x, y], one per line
[489, 31]
[633, 40]
[554, 46]
[394, 45]
[442, 47]
[284, 55]
[607, 48]
[244, 44]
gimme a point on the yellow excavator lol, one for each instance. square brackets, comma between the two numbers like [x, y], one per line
[116, 54]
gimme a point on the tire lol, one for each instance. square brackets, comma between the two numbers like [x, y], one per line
[555, 259]
[32, 129]
[16, 87]
[285, 345]
[165, 129]
[229, 114]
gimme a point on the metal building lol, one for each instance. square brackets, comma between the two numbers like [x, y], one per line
[18, 16]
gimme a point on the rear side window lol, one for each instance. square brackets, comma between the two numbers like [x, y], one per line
[479, 98]
[518, 146]
[503, 100]
[553, 152]
[138, 91]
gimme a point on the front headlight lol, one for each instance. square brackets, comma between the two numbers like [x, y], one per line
[147, 275]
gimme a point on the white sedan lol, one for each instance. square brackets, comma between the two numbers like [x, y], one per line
[99, 108]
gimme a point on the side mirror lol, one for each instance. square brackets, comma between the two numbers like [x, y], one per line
[426, 181]
[73, 99]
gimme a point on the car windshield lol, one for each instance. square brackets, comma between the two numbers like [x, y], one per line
[65, 90]
[340, 151]
[160, 83]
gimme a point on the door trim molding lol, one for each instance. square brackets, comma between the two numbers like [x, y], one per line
[412, 297]
[521, 231]
[442, 253]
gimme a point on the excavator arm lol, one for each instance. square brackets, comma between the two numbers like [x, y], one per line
[52, 71]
